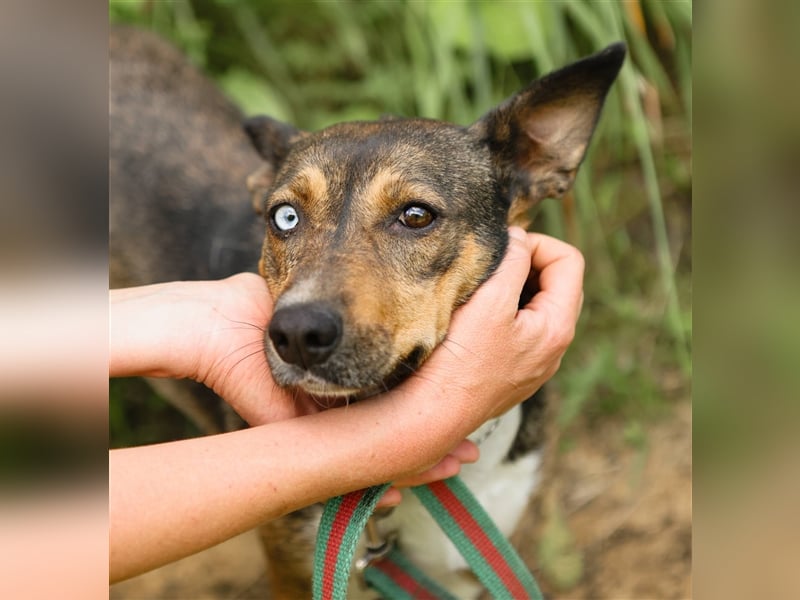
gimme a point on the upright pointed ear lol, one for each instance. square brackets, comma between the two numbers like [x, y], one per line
[272, 140]
[539, 137]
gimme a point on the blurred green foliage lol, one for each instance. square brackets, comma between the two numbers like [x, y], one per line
[137, 416]
[315, 63]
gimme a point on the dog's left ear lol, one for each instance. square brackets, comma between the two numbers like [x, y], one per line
[539, 137]
[273, 140]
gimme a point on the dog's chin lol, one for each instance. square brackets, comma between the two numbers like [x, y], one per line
[328, 394]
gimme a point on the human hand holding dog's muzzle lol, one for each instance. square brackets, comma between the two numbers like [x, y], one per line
[493, 352]
[495, 356]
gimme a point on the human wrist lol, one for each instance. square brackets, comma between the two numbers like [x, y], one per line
[151, 330]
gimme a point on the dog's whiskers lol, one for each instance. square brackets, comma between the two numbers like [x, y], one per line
[448, 340]
[245, 357]
[414, 373]
[452, 342]
[249, 325]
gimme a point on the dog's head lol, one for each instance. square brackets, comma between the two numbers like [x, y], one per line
[377, 231]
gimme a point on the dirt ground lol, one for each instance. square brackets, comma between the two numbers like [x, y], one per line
[613, 521]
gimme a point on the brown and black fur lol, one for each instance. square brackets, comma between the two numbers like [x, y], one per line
[394, 224]
[350, 184]
[178, 206]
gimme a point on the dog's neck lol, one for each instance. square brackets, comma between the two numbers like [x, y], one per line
[496, 436]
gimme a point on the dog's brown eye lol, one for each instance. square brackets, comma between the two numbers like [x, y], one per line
[416, 217]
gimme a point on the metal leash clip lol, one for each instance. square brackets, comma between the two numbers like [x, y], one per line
[377, 548]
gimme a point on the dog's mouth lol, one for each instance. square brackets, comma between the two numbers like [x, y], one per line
[327, 392]
[404, 368]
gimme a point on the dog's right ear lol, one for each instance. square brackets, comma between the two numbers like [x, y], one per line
[272, 140]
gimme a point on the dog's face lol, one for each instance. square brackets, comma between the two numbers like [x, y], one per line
[377, 231]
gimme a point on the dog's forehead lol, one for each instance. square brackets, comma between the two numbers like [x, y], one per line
[383, 135]
[357, 155]
[410, 145]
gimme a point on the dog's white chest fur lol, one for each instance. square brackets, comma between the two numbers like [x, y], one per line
[502, 488]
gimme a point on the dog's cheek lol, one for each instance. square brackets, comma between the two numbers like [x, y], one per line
[427, 284]
[383, 299]
[472, 267]
[273, 266]
[418, 325]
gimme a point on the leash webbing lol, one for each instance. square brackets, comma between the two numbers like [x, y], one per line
[343, 520]
[486, 550]
[492, 558]
[395, 577]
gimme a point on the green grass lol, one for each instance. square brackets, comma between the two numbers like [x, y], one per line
[317, 63]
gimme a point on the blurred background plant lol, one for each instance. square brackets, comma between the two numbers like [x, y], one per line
[317, 63]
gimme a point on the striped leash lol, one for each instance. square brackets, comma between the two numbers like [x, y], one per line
[491, 557]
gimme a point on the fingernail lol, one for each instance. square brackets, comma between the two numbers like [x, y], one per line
[467, 452]
[451, 466]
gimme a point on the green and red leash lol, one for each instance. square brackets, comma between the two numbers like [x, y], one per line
[491, 557]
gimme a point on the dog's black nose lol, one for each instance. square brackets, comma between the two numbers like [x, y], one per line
[305, 334]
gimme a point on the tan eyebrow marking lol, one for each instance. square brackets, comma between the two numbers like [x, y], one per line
[310, 183]
[390, 187]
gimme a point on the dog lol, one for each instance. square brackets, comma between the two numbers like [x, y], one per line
[372, 234]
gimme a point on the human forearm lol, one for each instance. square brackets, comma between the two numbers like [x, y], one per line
[152, 346]
[170, 500]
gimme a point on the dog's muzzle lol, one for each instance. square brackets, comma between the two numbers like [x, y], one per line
[309, 347]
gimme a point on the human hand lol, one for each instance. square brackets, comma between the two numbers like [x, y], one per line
[208, 331]
[496, 355]
[523, 347]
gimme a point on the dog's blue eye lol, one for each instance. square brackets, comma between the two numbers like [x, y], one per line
[416, 216]
[285, 217]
